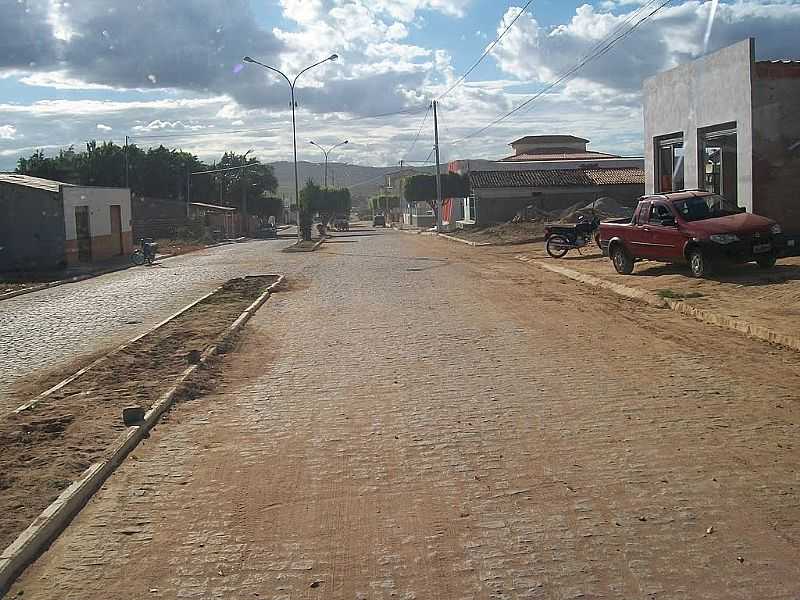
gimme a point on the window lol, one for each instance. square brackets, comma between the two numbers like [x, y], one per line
[705, 207]
[669, 164]
[659, 212]
[718, 155]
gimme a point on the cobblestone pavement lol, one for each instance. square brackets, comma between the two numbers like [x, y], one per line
[50, 329]
[456, 426]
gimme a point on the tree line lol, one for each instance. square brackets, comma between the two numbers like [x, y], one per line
[159, 173]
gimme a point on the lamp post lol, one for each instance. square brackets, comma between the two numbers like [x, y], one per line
[326, 152]
[302, 227]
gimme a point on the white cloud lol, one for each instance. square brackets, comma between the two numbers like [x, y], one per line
[105, 128]
[672, 36]
[8, 132]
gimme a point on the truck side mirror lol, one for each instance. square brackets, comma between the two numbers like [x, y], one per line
[669, 222]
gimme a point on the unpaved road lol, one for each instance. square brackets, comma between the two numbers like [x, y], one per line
[414, 419]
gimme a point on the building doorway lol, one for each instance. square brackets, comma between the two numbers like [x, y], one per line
[718, 155]
[669, 164]
[116, 229]
[83, 233]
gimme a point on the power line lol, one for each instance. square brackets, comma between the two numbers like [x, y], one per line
[414, 143]
[486, 52]
[189, 134]
[603, 49]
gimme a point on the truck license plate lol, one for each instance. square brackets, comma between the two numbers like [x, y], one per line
[761, 248]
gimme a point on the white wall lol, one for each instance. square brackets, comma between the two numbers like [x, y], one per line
[98, 199]
[710, 91]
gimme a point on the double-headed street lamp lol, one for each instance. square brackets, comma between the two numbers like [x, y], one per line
[292, 83]
[326, 152]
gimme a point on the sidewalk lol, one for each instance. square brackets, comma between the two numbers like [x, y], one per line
[766, 298]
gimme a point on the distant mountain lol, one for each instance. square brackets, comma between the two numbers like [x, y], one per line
[362, 181]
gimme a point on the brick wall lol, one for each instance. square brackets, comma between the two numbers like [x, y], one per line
[157, 217]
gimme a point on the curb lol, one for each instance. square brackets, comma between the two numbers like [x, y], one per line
[56, 517]
[752, 330]
[293, 247]
[32, 403]
[77, 278]
[463, 241]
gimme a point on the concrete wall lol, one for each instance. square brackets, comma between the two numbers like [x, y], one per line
[710, 91]
[31, 229]
[99, 200]
[776, 143]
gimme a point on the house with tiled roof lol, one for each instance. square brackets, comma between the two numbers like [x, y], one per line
[547, 173]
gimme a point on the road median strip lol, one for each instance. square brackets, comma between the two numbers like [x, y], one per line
[701, 314]
[44, 428]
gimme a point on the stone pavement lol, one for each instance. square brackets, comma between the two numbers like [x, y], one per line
[58, 328]
[411, 420]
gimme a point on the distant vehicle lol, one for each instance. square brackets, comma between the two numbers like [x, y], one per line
[700, 228]
[379, 221]
[266, 231]
[340, 223]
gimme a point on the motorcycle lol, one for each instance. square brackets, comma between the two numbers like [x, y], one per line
[146, 253]
[560, 238]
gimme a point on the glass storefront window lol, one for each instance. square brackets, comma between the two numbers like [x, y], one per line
[718, 155]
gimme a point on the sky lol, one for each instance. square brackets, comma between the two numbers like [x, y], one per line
[171, 72]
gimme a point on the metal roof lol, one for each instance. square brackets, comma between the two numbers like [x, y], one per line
[32, 182]
[557, 178]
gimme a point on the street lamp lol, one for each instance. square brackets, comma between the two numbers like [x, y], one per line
[292, 83]
[326, 152]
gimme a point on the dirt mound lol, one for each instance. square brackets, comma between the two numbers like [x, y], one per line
[605, 207]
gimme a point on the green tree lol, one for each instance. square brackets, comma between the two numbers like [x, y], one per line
[422, 188]
[258, 180]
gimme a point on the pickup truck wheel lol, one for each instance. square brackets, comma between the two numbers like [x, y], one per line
[700, 264]
[556, 246]
[623, 262]
[767, 262]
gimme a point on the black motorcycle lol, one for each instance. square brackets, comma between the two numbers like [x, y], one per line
[560, 238]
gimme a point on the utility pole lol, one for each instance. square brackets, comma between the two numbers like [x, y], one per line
[127, 185]
[188, 190]
[438, 170]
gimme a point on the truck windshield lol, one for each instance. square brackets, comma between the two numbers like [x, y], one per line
[705, 207]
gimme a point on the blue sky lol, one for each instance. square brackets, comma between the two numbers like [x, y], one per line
[71, 71]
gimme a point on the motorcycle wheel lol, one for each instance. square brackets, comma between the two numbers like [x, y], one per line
[137, 258]
[557, 246]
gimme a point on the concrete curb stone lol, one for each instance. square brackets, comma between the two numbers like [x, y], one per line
[463, 241]
[57, 516]
[701, 314]
[30, 404]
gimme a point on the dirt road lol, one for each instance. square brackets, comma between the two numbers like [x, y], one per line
[413, 419]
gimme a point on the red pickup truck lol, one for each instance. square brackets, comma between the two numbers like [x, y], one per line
[695, 227]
